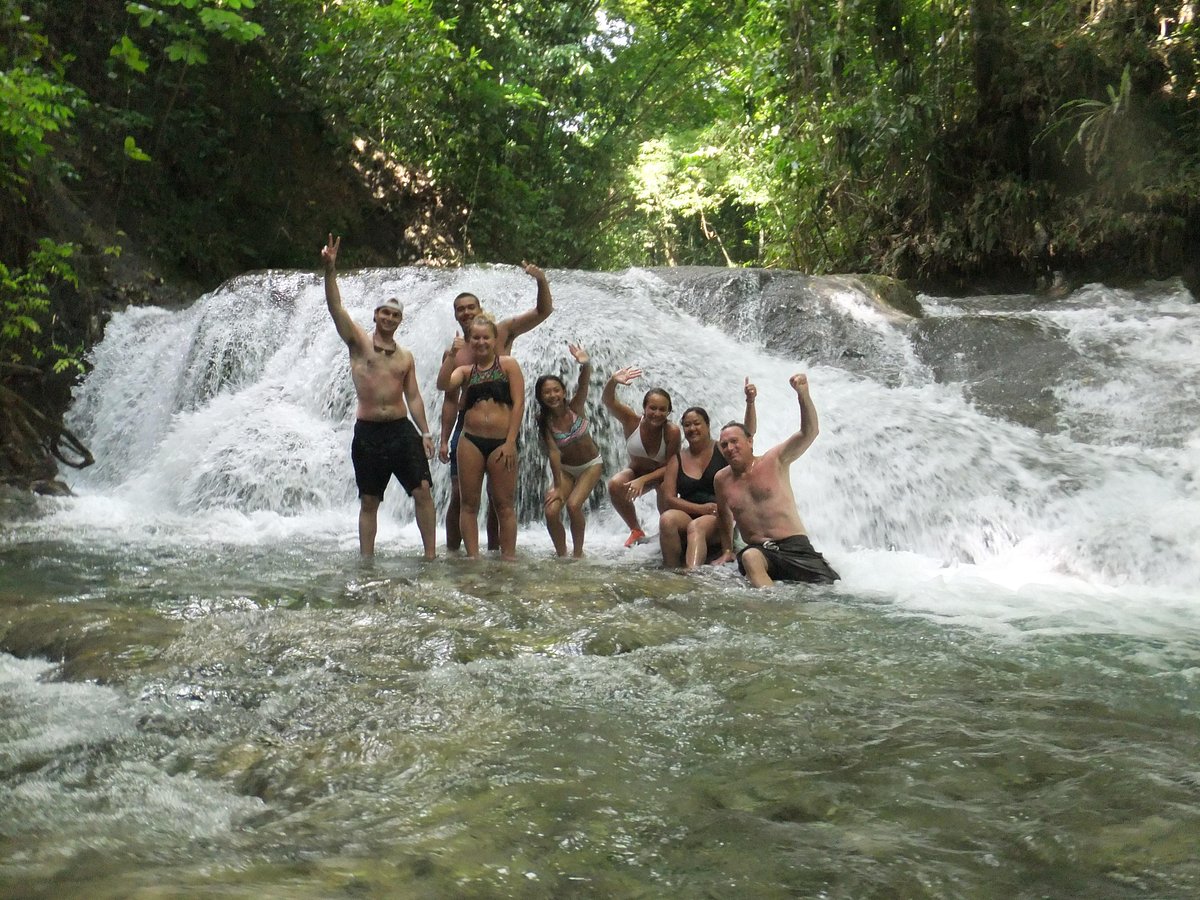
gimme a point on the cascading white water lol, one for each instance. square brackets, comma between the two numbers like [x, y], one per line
[242, 406]
[210, 692]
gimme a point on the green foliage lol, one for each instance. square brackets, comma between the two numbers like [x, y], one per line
[187, 24]
[687, 195]
[523, 116]
[901, 135]
[845, 114]
[180, 30]
[127, 52]
[377, 71]
[919, 137]
[1098, 122]
[133, 151]
[25, 300]
[35, 100]
[31, 107]
[400, 78]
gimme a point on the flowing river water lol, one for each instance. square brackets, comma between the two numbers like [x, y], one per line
[206, 693]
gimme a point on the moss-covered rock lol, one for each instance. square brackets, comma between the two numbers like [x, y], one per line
[892, 294]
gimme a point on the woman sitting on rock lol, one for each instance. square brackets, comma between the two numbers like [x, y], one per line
[688, 531]
[650, 439]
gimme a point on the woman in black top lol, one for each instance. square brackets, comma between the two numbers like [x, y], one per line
[493, 404]
[687, 531]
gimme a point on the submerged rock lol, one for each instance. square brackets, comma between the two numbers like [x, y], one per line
[16, 503]
[105, 644]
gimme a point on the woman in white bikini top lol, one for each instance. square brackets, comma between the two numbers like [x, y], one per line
[650, 440]
[638, 449]
[565, 435]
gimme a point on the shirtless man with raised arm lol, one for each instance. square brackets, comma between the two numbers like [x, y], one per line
[466, 308]
[755, 493]
[385, 441]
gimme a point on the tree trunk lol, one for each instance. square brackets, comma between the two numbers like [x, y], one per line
[1004, 134]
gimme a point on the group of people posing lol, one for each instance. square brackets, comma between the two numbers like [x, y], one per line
[704, 489]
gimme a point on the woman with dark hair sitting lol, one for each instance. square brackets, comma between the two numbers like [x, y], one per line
[575, 461]
[688, 531]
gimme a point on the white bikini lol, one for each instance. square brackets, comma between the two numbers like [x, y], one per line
[636, 448]
[576, 471]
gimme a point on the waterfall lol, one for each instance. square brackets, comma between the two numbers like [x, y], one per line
[1005, 432]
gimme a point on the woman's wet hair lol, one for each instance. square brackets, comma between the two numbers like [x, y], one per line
[485, 319]
[662, 393]
[542, 416]
[698, 410]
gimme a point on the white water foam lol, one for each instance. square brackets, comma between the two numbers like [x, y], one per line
[230, 422]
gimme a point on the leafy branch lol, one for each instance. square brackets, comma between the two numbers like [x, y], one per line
[1097, 122]
[25, 301]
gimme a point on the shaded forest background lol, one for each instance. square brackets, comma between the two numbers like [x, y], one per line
[150, 150]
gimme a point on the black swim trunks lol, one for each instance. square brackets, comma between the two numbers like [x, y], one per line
[792, 559]
[383, 449]
[454, 436]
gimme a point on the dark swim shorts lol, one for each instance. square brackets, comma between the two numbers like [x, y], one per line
[383, 449]
[792, 559]
[454, 436]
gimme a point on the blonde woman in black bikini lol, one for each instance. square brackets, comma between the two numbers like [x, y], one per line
[650, 439]
[575, 461]
[493, 404]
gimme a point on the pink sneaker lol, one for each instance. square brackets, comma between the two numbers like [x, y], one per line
[634, 537]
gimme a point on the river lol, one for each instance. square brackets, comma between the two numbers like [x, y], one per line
[207, 693]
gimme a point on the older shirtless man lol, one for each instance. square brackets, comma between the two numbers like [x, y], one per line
[385, 443]
[466, 308]
[755, 492]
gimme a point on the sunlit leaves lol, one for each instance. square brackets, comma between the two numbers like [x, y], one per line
[229, 24]
[128, 53]
[189, 51]
[25, 300]
[1098, 123]
[522, 96]
[147, 16]
[33, 105]
[186, 23]
[133, 151]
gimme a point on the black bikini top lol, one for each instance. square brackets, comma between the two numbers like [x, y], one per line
[487, 384]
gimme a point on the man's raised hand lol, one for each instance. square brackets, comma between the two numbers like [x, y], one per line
[330, 251]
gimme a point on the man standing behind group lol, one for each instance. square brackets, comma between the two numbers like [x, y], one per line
[755, 493]
[385, 441]
[466, 308]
